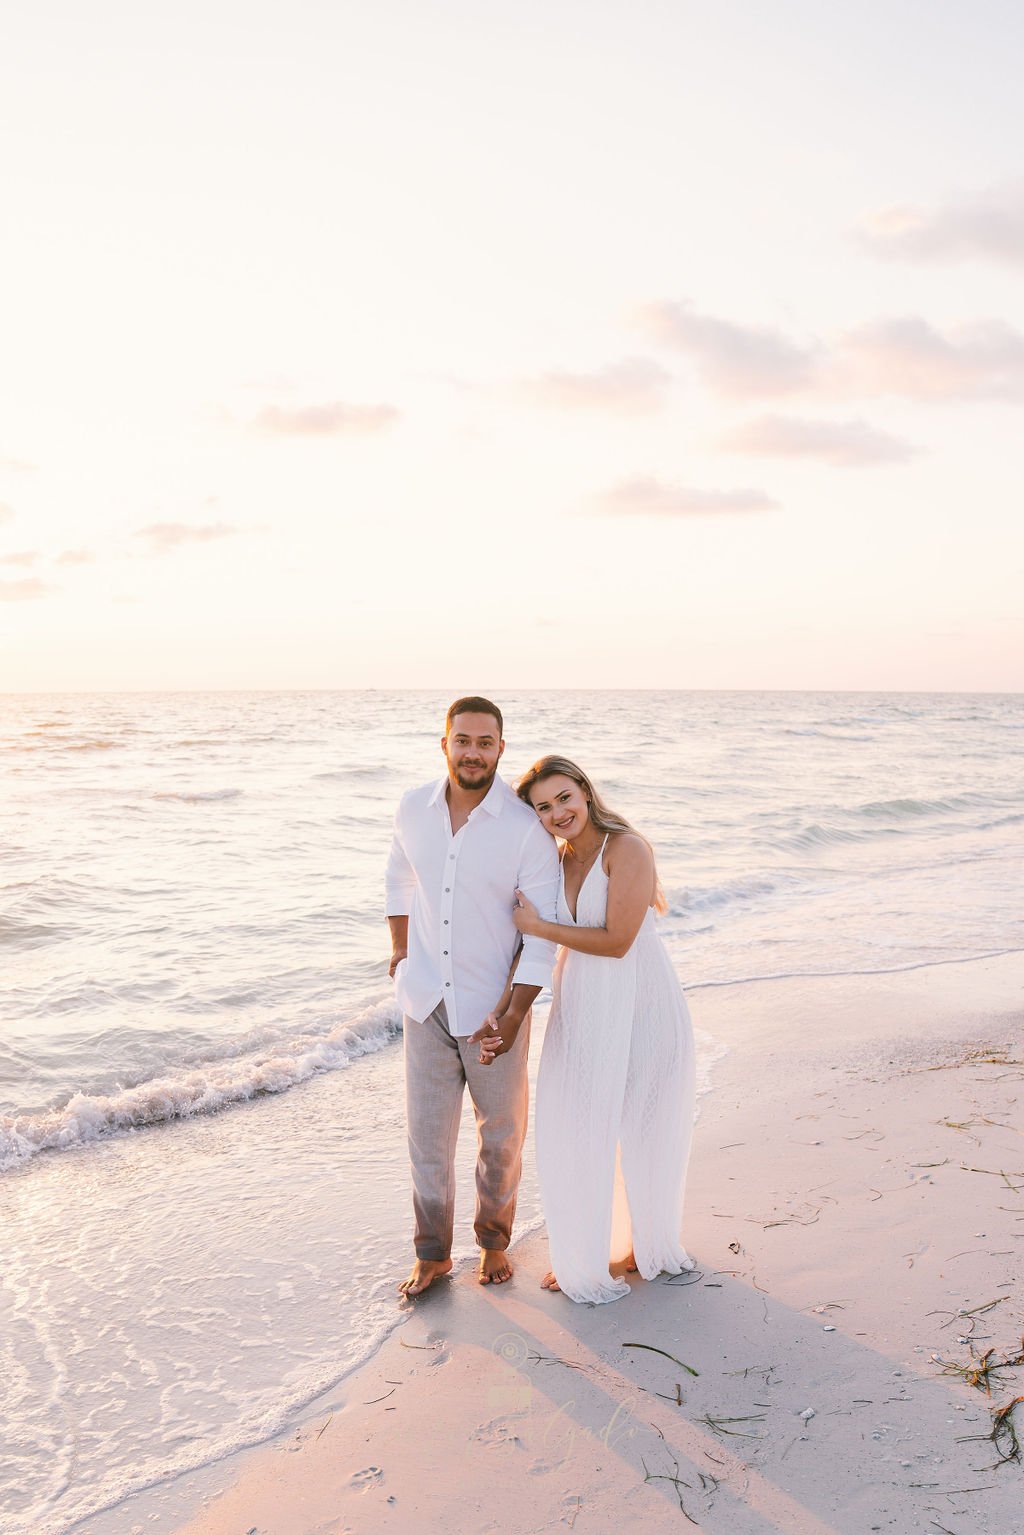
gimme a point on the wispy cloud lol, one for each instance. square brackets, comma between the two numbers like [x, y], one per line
[645, 496]
[21, 557]
[75, 557]
[910, 357]
[6, 512]
[634, 386]
[901, 355]
[988, 224]
[849, 444]
[334, 419]
[17, 465]
[163, 536]
[23, 591]
[738, 361]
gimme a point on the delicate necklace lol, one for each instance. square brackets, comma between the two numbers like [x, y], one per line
[588, 858]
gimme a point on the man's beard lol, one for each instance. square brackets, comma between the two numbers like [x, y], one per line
[476, 778]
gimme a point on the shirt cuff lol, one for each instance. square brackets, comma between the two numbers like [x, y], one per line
[399, 901]
[533, 973]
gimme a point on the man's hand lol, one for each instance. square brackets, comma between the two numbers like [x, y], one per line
[399, 942]
[496, 1036]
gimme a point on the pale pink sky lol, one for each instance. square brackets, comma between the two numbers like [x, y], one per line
[439, 344]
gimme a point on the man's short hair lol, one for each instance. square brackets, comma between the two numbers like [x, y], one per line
[473, 705]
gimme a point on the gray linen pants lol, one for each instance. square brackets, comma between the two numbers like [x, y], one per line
[437, 1069]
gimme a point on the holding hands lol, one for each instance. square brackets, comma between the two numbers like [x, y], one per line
[496, 1037]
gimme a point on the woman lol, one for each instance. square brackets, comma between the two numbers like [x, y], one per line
[617, 1069]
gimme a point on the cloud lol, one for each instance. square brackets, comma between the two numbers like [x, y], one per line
[738, 361]
[989, 224]
[635, 386]
[902, 355]
[22, 591]
[847, 443]
[6, 512]
[22, 557]
[645, 496]
[335, 419]
[163, 536]
[75, 557]
[910, 357]
[17, 465]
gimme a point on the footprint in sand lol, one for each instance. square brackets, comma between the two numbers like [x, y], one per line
[493, 1434]
[442, 1354]
[362, 1481]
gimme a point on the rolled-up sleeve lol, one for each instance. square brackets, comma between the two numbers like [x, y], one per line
[399, 878]
[538, 880]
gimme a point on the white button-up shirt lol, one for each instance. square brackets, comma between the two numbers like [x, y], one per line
[458, 893]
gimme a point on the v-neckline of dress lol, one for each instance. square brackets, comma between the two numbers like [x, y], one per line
[583, 882]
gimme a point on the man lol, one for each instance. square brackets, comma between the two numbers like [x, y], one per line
[461, 848]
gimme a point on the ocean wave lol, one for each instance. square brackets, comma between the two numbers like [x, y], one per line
[359, 771]
[889, 817]
[911, 809]
[829, 975]
[198, 796]
[18, 934]
[710, 897]
[205, 1089]
[826, 735]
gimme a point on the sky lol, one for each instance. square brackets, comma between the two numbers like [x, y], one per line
[466, 344]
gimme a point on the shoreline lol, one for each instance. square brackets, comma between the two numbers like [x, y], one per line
[840, 1224]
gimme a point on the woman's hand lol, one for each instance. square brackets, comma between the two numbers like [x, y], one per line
[525, 915]
[494, 1037]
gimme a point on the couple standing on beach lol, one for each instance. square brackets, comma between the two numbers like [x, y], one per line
[479, 899]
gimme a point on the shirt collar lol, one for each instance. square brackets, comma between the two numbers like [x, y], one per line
[493, 801]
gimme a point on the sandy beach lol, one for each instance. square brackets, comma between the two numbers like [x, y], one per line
[856, 1206]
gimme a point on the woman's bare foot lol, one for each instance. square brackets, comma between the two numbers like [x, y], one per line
[494, 1266]
[622, 1266]
[549, 1282]
[424, 1272]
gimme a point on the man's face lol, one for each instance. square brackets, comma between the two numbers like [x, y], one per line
[472, 748]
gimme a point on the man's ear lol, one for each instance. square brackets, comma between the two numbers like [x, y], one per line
[501, 747]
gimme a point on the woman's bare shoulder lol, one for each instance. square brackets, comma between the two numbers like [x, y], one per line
[628, 850]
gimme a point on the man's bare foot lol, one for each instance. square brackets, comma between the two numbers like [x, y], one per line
[631, 1262]
[622, 1266]
[424, 1272]
[494, 1266]
[549, 1282]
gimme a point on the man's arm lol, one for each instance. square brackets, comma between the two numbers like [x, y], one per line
[399, 942]
[538, 867]
[538, 880]
[400, 888]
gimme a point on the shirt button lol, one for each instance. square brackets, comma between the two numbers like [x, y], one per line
[447, 983]
[446, 921]
[450, 856]
[447, 889]
[446, 951]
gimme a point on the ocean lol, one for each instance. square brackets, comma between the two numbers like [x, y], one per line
[204, 1206]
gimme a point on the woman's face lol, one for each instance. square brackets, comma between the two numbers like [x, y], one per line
[563, 807]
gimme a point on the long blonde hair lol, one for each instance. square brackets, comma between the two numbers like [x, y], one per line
[601, 815]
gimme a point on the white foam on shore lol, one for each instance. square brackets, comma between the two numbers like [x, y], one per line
[206, 1089]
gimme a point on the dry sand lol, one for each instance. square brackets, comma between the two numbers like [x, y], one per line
[856, 1206]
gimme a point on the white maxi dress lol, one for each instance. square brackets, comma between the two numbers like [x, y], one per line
[617, 1075]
